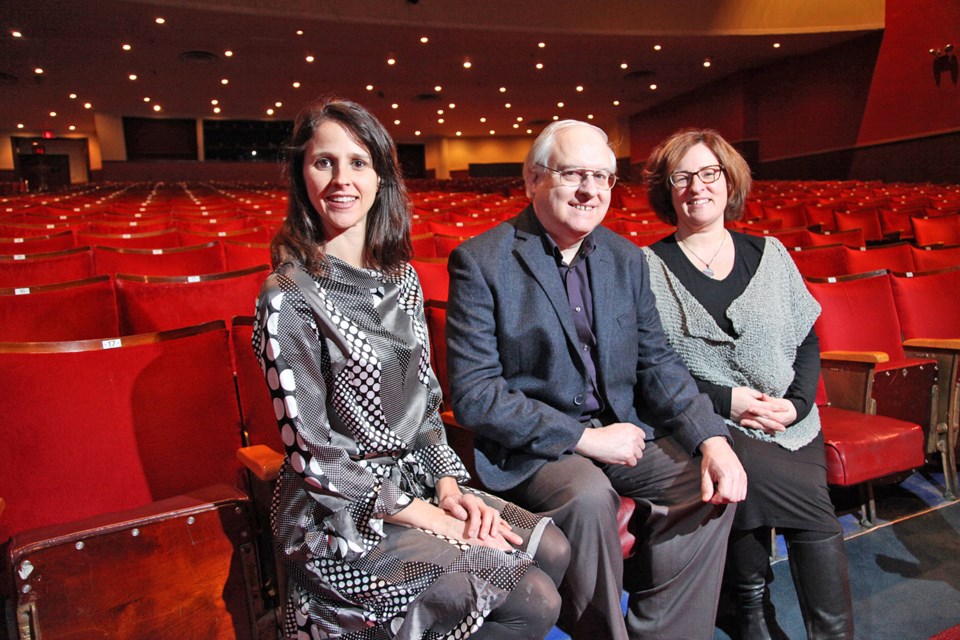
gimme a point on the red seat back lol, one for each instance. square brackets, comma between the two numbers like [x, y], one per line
[941, 230]
[256, 404]
[820, 262]
[927, 304]
[858, 314]
[159, 303]
[46, 268]
[867, 220]
[894, 257]
[59, 241]
[78, 310]
[167, 239]
[935, 258]
[434, 278]
[97, 426]
[240, 255]
[181, 261]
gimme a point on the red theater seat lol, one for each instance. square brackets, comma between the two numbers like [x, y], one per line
[167, 239]
[820, 262]
[240, 255]
[434, 279]
[936, 257]
[894, 257]
[159, 303]
[944, 230]
[78, 310]
[46, 268]
[97, 426]
[180, 261]
[18, 245]
[864, 364]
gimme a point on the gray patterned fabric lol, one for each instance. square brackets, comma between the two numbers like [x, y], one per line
[771, 318]
[346, 357]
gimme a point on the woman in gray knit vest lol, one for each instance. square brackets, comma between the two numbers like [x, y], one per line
[736, 309]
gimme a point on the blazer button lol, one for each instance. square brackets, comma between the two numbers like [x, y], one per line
[578, 400]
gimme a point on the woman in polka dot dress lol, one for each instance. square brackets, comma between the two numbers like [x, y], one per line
[378, 536]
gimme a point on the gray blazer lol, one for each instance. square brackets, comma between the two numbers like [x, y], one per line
[516, 375]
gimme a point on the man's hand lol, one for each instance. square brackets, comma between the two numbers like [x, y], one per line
[617, 443]
[722, 478]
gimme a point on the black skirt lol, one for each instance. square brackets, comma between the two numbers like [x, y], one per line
[785, 489]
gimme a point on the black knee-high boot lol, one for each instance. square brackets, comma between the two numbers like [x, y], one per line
[819, 570]
[748, 565]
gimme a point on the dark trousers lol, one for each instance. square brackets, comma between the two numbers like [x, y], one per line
[673, 578]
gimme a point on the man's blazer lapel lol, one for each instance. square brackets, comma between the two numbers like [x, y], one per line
[543, 267]
[604, 289]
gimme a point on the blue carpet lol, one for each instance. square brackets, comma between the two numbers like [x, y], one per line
[904, 572]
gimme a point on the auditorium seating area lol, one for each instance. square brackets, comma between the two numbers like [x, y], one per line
[130, 383]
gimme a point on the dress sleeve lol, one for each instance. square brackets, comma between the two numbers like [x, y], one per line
[802, 392]
[295, 362]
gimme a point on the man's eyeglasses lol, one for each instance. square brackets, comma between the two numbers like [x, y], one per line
[707, 175]
[575, 177]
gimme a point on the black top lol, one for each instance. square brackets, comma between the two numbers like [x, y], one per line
[716, 297]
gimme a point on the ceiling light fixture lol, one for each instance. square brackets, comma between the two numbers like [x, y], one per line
[424, 39]
[708, 62]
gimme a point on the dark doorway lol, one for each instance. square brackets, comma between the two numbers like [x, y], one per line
[413, 160]
[44, 172]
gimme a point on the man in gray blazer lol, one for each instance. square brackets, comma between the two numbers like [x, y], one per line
[559, 364]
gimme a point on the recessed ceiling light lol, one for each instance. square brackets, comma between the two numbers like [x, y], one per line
[556, 117]
[707, 62]
[53, 114]
[503, 89]
[19, 124]
[73, 96]
[467, 64]
[541, 44]
[657, 47]
[439, 112]
[309, 58]
[214, 102]
[589, 116]
[440, 120]
[132, 76]
[459, 133]
[616, 103]
[253, 152]
[417, 132]
[483, 119]
[296, 85]
[560, 104]
[623, 65]
[529, 130]
[438, 88]
[157, 107]
[369, 87]
[278, 104]
[396, 122]
[72, 127]
[228, 53]
[16, 34]
[424, 39]
[38, 71]
[395, 106]
[161, 21]
[452, 105]
[492, 132]
[391, 61]
[126, 47]
[225, 81]
[539, 65]
[516, 126]
[653, 87]
[519, 118]
[579, 87]
[269, 112]
[146, 99]
[299, 32]
[776, 45]
[216, 109]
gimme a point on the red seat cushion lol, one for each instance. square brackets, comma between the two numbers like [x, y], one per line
[861, 447]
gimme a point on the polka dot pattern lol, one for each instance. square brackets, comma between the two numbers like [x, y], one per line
[346, 358]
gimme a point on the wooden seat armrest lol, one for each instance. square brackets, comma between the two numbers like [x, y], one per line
[261, 461]
[946, 344]
[869, 357]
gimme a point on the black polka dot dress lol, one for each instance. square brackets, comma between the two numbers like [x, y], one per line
[346, 358]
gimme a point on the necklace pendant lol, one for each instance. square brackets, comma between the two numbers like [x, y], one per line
[708, 272]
